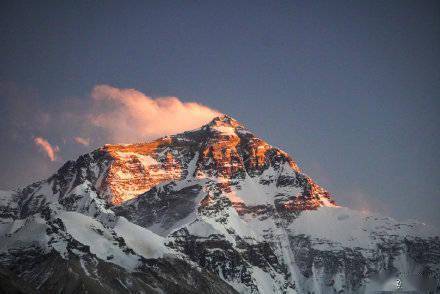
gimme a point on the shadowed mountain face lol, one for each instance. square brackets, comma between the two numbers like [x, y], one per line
[213, 210]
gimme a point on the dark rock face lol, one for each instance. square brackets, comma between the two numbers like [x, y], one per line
[10, 283]
[233, 263]
[356, 267]
[50, 273]
[162, 206]
[350, 262]
[214, 210]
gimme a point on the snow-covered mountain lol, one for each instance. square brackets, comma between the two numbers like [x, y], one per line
[214, 210]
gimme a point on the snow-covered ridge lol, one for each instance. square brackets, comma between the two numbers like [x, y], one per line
[344, 227]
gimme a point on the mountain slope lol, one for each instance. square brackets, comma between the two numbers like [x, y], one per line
[216, 210]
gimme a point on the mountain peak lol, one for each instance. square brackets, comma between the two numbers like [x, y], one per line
[225, 126]
[224, 120]
[223, 149]
[217, 204]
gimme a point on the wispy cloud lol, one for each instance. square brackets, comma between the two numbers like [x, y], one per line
[82, 141]
[47, 148]
[128, 115]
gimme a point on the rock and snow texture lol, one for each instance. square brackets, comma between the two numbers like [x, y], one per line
[213, 210]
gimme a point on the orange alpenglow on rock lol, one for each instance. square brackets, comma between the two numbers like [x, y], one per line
[223, 149]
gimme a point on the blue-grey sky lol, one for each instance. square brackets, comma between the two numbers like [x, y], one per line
[351, 89]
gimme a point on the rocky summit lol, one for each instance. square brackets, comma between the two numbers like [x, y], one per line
[212, 210]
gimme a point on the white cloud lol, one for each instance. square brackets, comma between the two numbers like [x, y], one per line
[128, 115]
[47, 148]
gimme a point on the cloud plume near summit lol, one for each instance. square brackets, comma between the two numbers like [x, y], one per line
[127, 115]
[68, 126]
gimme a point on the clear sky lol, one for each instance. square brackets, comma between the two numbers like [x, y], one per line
[351, 89]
